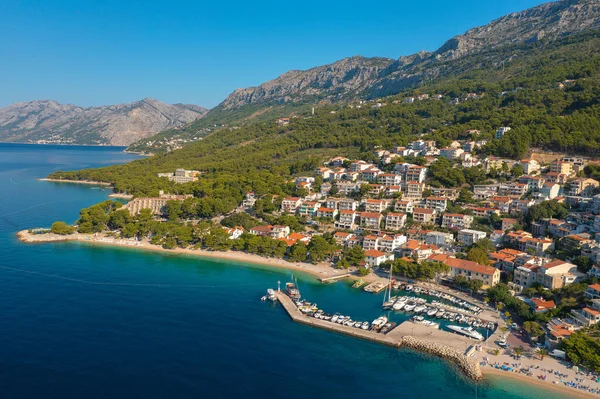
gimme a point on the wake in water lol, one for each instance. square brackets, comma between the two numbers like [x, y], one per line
[76, 280]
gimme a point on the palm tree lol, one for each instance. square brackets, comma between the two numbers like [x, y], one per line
[499, 306]
[519, 351]
[496, 352]
[542, 353]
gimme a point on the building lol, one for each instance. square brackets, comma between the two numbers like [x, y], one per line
[370, 242]
[181, 176]
[416, 250]
[406, 206]
[330, 213]
[469, 237]
[501, 131]
[389, 179]
[370, 220]
[539, 305]
[561, 167]
[395, 221]
[275, 232]
[509, 223]
[489, 276]
[529, 166]
[309, 208]
[586, 317]
[555, 177]
[437, 203]
[347, 220]
[558, 274]
[456, 221]
[424, 215]
[375, 258]
[376, 205]
[414, 189]
[438, 238]
[155, 204]
[290, 204]
[347, 204]
[451, 153]
[416, 173]
[582, 187]
[592, 292]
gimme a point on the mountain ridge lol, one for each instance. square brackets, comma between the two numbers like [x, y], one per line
[48, 121]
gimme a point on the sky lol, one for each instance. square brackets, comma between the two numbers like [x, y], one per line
[101, 52]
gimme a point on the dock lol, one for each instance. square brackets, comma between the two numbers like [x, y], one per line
[454, 348]
[376, 286]
[333, 279]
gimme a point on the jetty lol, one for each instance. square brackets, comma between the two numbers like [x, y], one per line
[333, 279]
[376, 286]
[453, 348]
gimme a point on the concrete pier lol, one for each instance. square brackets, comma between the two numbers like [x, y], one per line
[409, 335]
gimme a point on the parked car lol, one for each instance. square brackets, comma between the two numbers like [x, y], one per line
[514, 326]
[503, 344]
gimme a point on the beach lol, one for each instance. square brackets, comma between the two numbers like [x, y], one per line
[321, 270]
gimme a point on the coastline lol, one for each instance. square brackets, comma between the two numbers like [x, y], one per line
[90, 182]
[322, 270]
[496, 374]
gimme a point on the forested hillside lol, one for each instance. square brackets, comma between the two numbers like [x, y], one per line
[550, 98]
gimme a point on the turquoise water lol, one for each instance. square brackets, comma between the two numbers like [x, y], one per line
[84, 321]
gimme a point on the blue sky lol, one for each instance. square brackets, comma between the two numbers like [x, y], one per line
[107, 52]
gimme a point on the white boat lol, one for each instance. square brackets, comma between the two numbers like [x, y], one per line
[365, 325]
[467, 331]
[420, 308]
[431, 312]
[440, 313]
[335, 317]
[409, 306]
[357, 324]
[398, 305]
[379, 322]
[409, 288]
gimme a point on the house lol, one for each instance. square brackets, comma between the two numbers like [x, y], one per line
[274, 232]
[489, 276]
[509, 223]
[555, 177]
[509, 259]
[395, 221]
[359, 166]
[404, 206]
[550, 190]
[558, 274]
[375, 258]
[391, 190]
[389, 243]
[376, 205]
[342, 238]
[389, 179]
[592, 292]
[439, 238]
[370, 174]
[290, 204]
[349, 187]
[456, 221]
[469, 237]
[561, 167]
[234, 232]
[347, 204]
[309, 208]
[437, 203]
[370, 220]
[416, 173]
[501, 131]
[414, 189]
[539, 305]
[424, 215]
[529, 166]
[586, 317]
[347, 220]
[513, 189]
[249, 200]
[376, 189]
[451, 153]
[582, 186]
[416, 250]
[330, 213]
[370, 242]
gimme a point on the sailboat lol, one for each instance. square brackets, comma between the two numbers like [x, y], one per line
[387, 296]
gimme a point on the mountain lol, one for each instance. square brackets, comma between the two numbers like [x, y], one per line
[50, 122]
[496, 44]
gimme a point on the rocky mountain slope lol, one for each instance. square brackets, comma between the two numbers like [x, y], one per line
[374, 77]
[50, 122]
[494, 45]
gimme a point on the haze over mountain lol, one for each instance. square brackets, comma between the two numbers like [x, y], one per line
[47, 121]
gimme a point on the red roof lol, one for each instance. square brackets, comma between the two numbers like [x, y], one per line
[595, 287]
[374, 253]
[541, 304]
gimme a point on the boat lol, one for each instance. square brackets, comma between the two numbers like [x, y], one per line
[292, 291]
[357, 324]
[467, 331]
[431, 312]
[420, 308]
[379, 322]
[335, 317]
[358, 284]
[271, 295]
[398, 305]
[417, 319]
[440, 313]
[410, 305]
[365, 325]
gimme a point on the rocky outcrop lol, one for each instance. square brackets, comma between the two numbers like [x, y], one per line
[469, 366]
[50, 122]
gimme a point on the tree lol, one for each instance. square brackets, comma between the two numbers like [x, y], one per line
[478, 255]
[62, 228]
[496, 352]
[319, 248]
[584, 264]
[298, 252]
[542, 353]
[519, 351]
[173, 210]
[363, 271]
[516, 171]
[354, 255]
[533, 328]
[465, 196]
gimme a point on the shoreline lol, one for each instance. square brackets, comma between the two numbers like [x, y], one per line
[319, 271]
[558, 388]
[90, 182]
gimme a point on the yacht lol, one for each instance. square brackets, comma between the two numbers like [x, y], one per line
[365, 325]
[292, 291]
[431, 312]
[467, 331]
[420, 308]
[440, 313]
[379, 322]
[398, 305]
[335, 317]
[410, 305]
[357, 324]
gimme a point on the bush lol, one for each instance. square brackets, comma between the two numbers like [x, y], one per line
[62, 228]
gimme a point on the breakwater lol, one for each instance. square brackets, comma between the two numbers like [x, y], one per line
[395, 338]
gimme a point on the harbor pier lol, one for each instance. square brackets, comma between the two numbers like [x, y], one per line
[409, 335]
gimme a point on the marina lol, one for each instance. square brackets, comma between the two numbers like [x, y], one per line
[410, 335]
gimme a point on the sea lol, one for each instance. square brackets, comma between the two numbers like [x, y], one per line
[85, 321]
